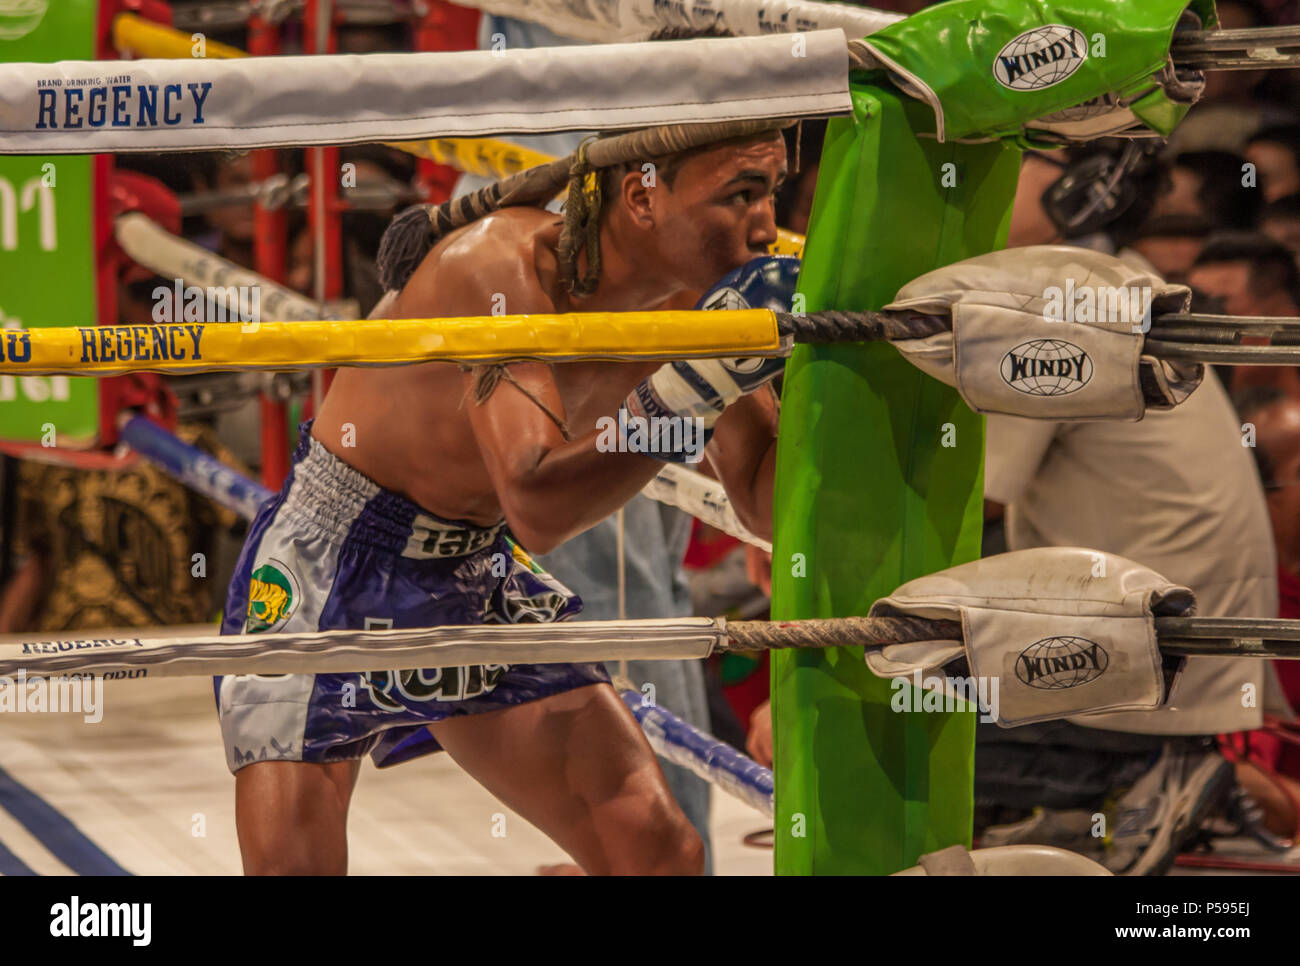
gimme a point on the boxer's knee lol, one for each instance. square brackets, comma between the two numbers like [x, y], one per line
[666, 843]
[291, 817]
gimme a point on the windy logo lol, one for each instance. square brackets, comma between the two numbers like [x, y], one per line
[1057, 663]
[1039, 58]
[1046, 367]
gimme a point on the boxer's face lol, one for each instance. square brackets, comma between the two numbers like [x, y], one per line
[718, 212]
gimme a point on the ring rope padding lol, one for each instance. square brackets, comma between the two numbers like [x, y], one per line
[185, 347]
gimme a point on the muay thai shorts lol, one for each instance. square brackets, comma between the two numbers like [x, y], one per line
[333, 550]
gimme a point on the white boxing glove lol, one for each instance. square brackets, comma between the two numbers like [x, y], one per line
[1048, 332]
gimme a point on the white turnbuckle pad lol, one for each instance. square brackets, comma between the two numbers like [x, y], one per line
[1062, 630]
[1048, 332]
[1005, 860]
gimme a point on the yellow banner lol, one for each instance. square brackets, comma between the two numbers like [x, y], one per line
[206, 347]
[146, 38]
[787, 243]
[485, 157]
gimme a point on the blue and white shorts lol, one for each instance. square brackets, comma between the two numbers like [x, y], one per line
[332, 551]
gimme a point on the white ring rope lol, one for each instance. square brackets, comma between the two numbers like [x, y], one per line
[259, 102]
[616, 20]
[324, 652]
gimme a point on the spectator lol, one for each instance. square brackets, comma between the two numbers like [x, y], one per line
[1275, 418]
[1251, 275]
[1275, 152]
[1066, 195]
[1170, 244]
[1030, 224]
[1176, 492]
[794, 200]
[1208, 184]
[1275, 779]
[1250, 272]
[1280, 221]
[230, 225]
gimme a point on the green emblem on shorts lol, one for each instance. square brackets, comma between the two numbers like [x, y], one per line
[521, 557]
[271, 598]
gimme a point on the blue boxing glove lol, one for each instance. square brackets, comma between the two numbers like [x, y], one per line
[671, 414]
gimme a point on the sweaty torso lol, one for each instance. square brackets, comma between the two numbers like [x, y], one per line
[407, 427]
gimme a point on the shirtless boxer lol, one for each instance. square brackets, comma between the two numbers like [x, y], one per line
[395, 515]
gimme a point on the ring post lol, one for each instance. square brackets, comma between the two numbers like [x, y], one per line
[868, 496]
[879, 468]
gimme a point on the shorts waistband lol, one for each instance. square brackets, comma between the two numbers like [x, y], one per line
[340, 502]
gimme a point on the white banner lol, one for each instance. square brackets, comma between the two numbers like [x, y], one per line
[86, 107]
[603, 21]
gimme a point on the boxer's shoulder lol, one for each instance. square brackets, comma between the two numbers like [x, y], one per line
[488, 267]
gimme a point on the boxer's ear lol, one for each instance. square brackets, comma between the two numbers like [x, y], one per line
[637, 192]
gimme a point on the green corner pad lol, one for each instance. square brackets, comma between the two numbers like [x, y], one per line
[868, 497]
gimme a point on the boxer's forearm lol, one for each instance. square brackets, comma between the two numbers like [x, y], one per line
[549, 488]
[743, 456]
[571, 488]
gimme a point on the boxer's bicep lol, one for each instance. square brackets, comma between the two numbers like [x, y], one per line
[511, 425]
[508, 413]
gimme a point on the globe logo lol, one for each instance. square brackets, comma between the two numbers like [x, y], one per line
[18, 18]
[1057, 663]
[1040, 58]
[1046, 367]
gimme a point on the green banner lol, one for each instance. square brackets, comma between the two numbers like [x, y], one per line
[47, 258]
[879, 480]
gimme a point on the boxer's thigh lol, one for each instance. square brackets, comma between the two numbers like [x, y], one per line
[576, 765]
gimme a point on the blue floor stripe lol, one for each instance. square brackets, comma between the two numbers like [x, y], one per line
[53, 830]
[10, 864]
